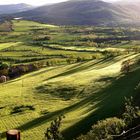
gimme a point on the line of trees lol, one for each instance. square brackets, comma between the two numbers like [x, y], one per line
[18, 70]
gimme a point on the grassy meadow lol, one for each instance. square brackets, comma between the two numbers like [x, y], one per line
[82, 81]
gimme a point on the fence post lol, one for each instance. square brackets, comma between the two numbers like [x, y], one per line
[13, 135]
[0, 135]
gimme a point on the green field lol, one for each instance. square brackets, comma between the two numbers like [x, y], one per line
[84, 91]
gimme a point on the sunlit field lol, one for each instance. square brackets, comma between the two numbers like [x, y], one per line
[80, 77]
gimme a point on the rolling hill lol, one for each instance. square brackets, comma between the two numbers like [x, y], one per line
[85, 12]
[84, 92]
[132, 8]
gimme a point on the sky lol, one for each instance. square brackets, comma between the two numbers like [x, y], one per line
[35, 2]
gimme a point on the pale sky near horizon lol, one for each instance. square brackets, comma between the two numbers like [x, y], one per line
[35, 2]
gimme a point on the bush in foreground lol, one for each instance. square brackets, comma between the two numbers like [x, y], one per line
[53, 132]
[104, 129]
[131, 111]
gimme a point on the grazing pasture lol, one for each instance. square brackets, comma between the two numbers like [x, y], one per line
[80, 77]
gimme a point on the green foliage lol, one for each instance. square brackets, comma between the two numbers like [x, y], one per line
[41, 38]
[3, 66]
[125, 66]
[131, 111]
[18, 70]
[104, 129]
[4, 69]
[53, 132]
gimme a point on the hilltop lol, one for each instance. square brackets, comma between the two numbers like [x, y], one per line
[85, 12]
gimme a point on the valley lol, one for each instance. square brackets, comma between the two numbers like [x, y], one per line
[78, 76]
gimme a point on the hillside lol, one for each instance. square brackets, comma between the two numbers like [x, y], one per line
[14, 8]
[132, 8]
[128, 1]
[79, 76]
[84, 12]
[80, 113]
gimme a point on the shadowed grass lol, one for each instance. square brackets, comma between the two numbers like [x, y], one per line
[111, 106]
[108, 102]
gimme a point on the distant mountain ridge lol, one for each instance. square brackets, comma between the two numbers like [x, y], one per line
[128, 1]
[14, 8]
[85, 12]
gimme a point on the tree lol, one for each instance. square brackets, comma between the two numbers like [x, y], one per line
[104, 129]
[4, 68]
[53, 132]
[125, 68]
[131, 111]
[79, 59]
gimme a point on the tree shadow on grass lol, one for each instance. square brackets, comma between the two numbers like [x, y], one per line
[78, 68]
[91, 66]
[110, 107]
[108, 103]
[110, 61]
[52, 115]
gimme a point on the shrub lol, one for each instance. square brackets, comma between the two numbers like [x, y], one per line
[125, 68]
[53, 132]
[15, 71]
[104, 129]
[131, 111]
[3, 66]
[4, 69]
[41, 38]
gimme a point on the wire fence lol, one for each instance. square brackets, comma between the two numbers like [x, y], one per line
[131, 133]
